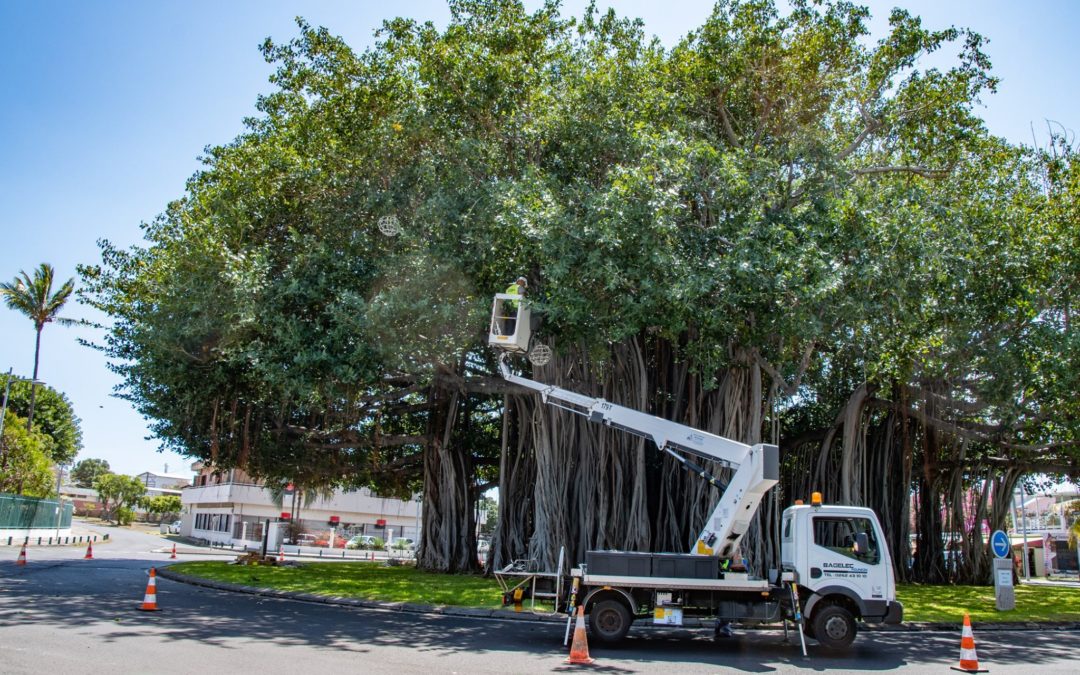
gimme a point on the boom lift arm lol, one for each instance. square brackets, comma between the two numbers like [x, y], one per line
[757, 468]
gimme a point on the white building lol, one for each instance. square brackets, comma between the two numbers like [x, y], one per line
[164, 481]
[228, 507]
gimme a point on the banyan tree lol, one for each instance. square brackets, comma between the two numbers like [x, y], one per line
[774, 230]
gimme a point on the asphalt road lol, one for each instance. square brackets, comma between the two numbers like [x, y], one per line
[63, 614]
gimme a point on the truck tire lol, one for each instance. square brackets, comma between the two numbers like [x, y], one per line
[609, 621]
[833, 627]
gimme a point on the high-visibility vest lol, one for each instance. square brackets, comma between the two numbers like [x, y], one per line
[512, 289]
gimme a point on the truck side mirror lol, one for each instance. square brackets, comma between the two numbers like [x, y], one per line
[862, 544]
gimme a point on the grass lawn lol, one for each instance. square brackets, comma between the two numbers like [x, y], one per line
[949, 603]
[365, 580]
[374, 581]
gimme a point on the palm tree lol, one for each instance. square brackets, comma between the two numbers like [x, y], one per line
[34, 298]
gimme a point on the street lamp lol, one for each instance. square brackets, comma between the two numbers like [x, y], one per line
[3, 413]
[59, 499]
[1023, 525]
[419, 501]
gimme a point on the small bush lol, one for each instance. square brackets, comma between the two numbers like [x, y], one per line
[124, 516]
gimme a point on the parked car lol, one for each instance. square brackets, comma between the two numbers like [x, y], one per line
[305, 540]
[483, 546]
[401, 545]
[365, 541]
[324, 542]
[174, 527]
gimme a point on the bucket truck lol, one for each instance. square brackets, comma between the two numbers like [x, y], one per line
[834, 571]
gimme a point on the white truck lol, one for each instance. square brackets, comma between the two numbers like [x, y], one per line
[834, 568]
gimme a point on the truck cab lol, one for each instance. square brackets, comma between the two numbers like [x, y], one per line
[844, 571]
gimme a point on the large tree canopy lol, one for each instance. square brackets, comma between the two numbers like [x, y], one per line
[772, 230]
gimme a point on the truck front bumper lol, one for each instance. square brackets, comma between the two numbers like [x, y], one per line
[883, 611]
[895, 614]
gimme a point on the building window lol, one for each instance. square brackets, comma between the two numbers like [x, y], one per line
[214, 522]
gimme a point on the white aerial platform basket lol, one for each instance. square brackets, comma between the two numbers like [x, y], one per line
[510, 323]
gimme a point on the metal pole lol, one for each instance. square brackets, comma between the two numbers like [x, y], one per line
[1016, 524]
[1023, 516]
[7, 390]
[59, 500]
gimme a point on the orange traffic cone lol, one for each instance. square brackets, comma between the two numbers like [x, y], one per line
[173, 556]
[281, 554]
[579, 648]
[149, 603]
[22, 556]
[969, 660]
[89, 551]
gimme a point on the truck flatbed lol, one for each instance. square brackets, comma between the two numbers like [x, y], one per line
[731, 582]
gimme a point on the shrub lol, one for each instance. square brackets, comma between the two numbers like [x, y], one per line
[124, 516]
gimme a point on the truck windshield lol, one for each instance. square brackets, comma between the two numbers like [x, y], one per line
[838, 534]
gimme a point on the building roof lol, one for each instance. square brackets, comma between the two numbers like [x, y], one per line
[160, 474]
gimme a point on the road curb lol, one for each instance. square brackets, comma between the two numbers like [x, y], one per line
[450, 610]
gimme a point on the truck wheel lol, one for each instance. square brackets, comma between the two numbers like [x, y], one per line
[609, 621]
[833, 627]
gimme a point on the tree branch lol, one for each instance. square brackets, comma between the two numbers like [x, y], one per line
[804, 363]
[725, 121]
[917, 170]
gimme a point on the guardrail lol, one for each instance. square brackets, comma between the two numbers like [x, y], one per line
[294, 551]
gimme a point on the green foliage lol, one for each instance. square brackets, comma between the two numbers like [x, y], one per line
[124, 515]
[773, 190]
[53, 416]
[491, 508]
[162, 505]
[86, 471]
[24, 464]
[117, 492]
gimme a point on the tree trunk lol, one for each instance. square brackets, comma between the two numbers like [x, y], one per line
[449, 533]
[33, 380]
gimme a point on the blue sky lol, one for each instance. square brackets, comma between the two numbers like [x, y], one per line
[106, 106]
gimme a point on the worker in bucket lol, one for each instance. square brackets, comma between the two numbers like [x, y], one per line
[517, 288]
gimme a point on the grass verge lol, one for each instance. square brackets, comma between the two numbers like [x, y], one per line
[364, 580]
[374, 581]
[949, 603]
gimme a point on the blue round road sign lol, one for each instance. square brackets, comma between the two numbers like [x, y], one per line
[1000, 544]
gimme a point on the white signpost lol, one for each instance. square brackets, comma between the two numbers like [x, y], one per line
[1005, 598]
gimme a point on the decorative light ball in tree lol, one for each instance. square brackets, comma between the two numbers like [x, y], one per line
[389, 225]
[540, 355]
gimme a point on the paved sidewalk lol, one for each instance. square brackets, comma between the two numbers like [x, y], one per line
[1062, 581]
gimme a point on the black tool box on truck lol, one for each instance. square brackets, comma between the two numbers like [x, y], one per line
[670, 565]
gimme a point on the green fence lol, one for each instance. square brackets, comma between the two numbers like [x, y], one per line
[25, 513]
